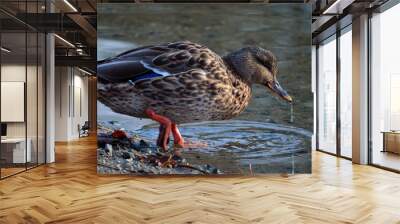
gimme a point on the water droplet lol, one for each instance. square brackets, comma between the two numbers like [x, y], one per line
[291, 113]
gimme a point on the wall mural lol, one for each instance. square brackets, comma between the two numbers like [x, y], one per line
[209, 89]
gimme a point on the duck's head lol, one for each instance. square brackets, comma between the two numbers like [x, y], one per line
[258, 66]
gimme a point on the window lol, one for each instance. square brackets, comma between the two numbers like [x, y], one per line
[334, 106]
[22, 77]
[346, 93]
[327, 95]
[385, 89]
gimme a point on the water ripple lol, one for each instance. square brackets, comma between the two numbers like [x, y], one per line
[246, 142]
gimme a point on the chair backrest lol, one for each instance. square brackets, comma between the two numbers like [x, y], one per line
[3, 129]
[86, 125]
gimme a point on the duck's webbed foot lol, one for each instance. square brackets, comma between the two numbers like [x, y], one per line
[179, 142]
[165, 128]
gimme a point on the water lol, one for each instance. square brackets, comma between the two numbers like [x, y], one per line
[244, 147]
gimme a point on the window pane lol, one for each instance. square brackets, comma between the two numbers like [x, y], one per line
[385, 84]
[346, 94]
[327, 96]
[32, 87]
[31, 97]
[41, 98]
[13, 85]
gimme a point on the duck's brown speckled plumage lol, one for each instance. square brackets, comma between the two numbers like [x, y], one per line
[202, 87]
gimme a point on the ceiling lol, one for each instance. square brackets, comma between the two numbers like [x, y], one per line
[74, 22]
[331, 15]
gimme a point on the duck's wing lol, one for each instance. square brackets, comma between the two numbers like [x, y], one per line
[156, 60]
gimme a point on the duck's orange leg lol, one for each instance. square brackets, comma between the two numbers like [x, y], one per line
[178, 139]
[160, 138]
[166, 126]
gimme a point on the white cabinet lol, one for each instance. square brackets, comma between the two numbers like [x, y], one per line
[17, 146]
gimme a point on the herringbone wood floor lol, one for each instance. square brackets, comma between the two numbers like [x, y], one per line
[70, 191]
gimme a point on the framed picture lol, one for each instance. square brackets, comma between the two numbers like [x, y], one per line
[204, 89]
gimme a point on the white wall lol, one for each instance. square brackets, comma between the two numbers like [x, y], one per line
[61, 104]
[71, 102]
[81, 104]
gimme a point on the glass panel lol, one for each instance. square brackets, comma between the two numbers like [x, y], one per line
[31, 87]
[31, 98]
[13, 80]
[327, 96]
[346, 94]
[385, 84]
[41, 98]
[314, 85]
[23, 89]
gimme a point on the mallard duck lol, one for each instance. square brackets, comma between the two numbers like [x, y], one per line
[184, 82]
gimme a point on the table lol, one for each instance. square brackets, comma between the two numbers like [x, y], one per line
[391, 141]
[13, 150]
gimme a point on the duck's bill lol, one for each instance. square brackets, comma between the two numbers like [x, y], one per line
[276, 88]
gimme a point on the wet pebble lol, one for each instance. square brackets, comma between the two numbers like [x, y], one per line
[126, 155]
[137, 156]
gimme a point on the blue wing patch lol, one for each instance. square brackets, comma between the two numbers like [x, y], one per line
[149, 75]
